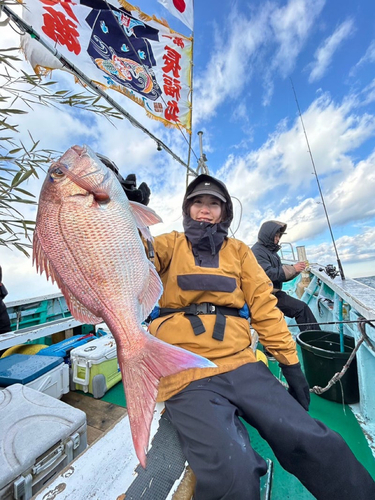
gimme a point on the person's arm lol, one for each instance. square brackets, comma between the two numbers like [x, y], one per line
[274, 272]
[271, 327]
[291, 271]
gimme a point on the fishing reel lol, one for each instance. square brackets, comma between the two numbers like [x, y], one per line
[330, 270]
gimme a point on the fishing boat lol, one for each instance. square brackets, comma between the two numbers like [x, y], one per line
[108, 468]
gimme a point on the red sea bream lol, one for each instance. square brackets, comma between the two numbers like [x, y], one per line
[87, 240]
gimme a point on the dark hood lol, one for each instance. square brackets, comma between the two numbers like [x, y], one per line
[203, 235]
[267, 232]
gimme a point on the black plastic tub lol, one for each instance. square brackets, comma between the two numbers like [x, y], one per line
[322, 359]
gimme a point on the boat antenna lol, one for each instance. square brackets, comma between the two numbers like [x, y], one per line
[89, 83]
[202, 167]
[317, 180]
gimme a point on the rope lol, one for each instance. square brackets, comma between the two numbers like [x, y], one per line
[338, 376]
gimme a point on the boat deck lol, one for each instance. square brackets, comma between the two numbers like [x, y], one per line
[103, 414]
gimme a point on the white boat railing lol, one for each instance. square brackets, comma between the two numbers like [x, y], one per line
[36, 332]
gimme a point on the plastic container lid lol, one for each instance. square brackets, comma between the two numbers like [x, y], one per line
[23, 368]
[97, 350]
[65, 346]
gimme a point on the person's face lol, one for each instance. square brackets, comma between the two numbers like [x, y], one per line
[206, 208]
[277, 238]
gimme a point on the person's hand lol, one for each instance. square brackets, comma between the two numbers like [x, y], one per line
[129, 185]
[140, 194]
[298, 386]
[300, 266]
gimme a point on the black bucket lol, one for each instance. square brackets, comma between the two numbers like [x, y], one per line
[322, 359]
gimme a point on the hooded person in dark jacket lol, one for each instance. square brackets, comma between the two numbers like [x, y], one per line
[208, 279]
[4, 317]
[265, 251]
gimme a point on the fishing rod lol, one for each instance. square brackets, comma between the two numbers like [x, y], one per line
[89, 83]
[317, 180]
[342, 322]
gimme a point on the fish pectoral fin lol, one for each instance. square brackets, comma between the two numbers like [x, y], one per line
[43, 264]
[144, 217]
[151, 292]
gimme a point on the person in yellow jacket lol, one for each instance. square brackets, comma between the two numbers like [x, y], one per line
[212, 285]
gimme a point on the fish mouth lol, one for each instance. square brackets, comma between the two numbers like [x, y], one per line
[80, 150]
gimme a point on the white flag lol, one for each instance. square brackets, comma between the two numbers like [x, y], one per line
[119, 49]
[183, 9]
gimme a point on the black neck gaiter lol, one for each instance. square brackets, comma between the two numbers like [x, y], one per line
[204, 236]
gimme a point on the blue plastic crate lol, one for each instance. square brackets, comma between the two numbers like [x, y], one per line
[63, 348]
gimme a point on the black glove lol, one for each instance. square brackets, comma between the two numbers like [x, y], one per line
[140, 194]
[298, 386]
[129, 185]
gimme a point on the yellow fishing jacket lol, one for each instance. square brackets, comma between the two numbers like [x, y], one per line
[237, 280]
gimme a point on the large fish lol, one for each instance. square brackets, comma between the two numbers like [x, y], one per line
[87, 240]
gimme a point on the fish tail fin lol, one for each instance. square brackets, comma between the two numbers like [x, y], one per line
[141, 376]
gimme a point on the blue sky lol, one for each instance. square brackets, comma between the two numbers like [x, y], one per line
[245, 56]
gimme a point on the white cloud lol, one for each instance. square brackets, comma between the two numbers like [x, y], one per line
[265, 43]
[282, 163]
[369, 57]
[291, 25]
[324, 54]
[351, 249]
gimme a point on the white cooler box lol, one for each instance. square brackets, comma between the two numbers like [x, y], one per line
[48, 374]
[95, 367]
[40, 435]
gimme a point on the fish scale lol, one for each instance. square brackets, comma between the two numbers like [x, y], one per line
[87, 240]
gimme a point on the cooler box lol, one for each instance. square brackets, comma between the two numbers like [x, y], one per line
[63, 348]
[48, 374]
[95, 366]
[102, 329]
[40, 436]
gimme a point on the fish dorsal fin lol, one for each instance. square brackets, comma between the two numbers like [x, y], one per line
[152, 292]
[144, 217]
[43, 264]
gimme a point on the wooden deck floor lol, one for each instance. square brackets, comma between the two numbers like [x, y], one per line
[101, 415]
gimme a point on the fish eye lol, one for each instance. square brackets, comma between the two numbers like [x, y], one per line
[57, 173]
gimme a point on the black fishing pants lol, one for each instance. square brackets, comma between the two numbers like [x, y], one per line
[297, 309]
[217, 446]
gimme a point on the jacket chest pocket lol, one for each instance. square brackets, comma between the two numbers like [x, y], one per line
[208, 282]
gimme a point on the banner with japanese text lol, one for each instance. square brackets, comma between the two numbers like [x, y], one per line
[118, 47]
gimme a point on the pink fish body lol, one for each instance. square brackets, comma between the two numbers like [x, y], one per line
[87, 240]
